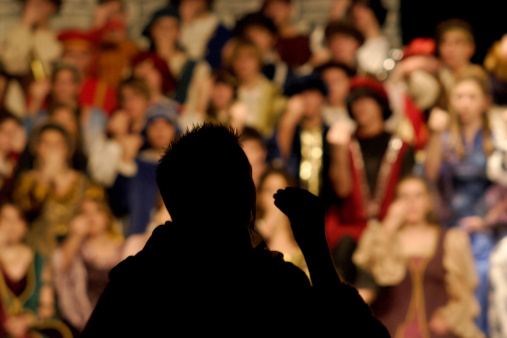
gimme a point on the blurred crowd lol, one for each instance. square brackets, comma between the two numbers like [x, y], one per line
[406, 146]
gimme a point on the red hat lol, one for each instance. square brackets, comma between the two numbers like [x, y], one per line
[420, 46]
[361, 86]
[114, 25]
[369, 83]
[76, 37]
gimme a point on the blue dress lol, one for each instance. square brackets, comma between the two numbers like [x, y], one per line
[463, 184]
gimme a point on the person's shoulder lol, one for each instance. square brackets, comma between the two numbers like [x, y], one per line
[280, 273]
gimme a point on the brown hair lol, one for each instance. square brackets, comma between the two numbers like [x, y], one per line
[139, 86]
[114, 229]
[51, 126]
[451, 25]
[431, 216]
[240, 44]
[457, 141]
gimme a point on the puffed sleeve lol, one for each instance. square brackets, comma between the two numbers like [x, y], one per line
[497, 314]
[461, 281]
[380, 254]
[21, 41]
[28, 194]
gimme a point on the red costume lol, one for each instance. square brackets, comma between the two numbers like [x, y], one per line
[94, 91]
[352, 215]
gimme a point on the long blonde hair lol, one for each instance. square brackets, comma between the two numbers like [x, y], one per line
[458, 143]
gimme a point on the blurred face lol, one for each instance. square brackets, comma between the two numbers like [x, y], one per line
[343, 48]
[65, 87]
[469, 101]
[256, 154]
[12, 225]
[262, 38]
[279, 12]
[78, 56]
[247, 63]
[190, 9]
[52, 142]
[147, 71]
[45, 8]
[166, 29]
[222, 95]
[159, 133]
[65, 118]
[254, 151]
[338, 85]
[312, 102]
[9, 130]
[417, 201]
[97, 218]
[134, 103]
[366, 111]
[455, 49]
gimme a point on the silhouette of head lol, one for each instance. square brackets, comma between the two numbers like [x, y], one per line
[205, 177]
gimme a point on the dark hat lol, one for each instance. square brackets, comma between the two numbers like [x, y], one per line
[166, 111]
[256, 19]
[170, 11]
[365, 86]
[343, 28]
[333, 64]
[305, 83]
[77, 37]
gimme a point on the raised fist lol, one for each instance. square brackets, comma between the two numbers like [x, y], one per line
[339, 133]
[438, 121]
[295, 108]
[305, 212]
[395, 216]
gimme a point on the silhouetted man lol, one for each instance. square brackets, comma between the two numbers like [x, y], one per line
[204, 272]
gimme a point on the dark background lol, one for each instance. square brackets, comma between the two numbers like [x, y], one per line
[487, 17]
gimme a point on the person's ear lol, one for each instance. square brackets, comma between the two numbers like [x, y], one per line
[471, 50]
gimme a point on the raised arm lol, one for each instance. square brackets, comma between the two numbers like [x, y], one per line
[349, 311]
[438, 122]
[306, 214]
[339, 170]
[288, 124]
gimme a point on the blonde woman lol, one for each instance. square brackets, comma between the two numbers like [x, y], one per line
[81, 264]
[458, 150]
[425, 274]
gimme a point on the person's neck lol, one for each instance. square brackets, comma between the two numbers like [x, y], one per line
[156, 96]
[198, 16]
[251, 81]
[456, 70]
[287, 30]
[471, 129]
[371, 130]
[70, 103]
[167, 50]
[311, 122]
[337, 103]
[99, 238]
[416, 226]
[42, 25]
[372, 31]
[138, 123]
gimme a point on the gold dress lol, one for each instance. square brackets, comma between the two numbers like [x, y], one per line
[50, 212]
